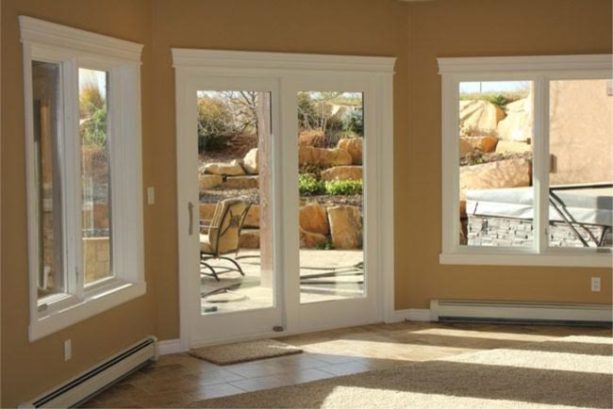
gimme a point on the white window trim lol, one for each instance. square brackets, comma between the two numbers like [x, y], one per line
[74, 48]
[540, 70]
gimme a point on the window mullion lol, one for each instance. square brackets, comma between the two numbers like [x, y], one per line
[72, 178]
[541, 163]
[115, 100]
[451, 164]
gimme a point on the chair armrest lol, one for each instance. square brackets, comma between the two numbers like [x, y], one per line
[204, 225]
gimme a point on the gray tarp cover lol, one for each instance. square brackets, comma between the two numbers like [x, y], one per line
[593, 205]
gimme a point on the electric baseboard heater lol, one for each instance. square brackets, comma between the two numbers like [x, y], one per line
[501, 311]
[93, 381]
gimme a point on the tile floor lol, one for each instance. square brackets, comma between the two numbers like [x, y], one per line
[177, 380]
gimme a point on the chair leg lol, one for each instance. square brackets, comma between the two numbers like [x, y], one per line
[240, 270]
[207, 265]
[238, 267]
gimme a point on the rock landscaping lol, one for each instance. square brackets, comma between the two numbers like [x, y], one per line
[326, 221]
[330, 150]
[495, 152]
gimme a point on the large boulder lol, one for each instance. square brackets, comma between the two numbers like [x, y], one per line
[209, 181]
[478, 117]
[240, 182]
[345, 226]
[465, 147]
[313, 218]
[308, 155]
[354, 147]
[233, 168]
[207, 210]
[510, 147]
[312, 138]
[253, 217]
[342, 173]
[309, 240]
[499, 174]
[517, 126]
[249, 239]
[250, 162]
[484, 144]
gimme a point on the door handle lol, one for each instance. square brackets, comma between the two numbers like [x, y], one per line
[190, 214]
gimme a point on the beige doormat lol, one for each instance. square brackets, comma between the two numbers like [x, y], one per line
[244, 351]
[569, 372]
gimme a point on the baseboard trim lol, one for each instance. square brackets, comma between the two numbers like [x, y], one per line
[519, 311]
[170, 346]
[410, 314]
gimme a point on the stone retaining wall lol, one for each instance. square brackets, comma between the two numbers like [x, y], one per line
[511, 232]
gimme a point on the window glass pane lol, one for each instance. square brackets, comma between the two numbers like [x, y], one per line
[330, 179]
[581, 168]
[235, 186]
[47, 109]
[95, 175]
[496, 134]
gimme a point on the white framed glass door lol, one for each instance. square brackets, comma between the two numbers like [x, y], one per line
[227, 195]
[330, 170]
[302, 146]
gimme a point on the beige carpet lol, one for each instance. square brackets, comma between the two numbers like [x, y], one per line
[244, 351]
[569, 372]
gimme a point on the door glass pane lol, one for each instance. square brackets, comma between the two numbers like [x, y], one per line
[330, 149]
[47, 109]
[95, 175]
[235, 185]
[496, 136]
[581, 168]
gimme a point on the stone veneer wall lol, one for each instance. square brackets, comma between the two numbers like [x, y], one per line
[511, 232]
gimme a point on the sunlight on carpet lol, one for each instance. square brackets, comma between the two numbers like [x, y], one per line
[534, 375]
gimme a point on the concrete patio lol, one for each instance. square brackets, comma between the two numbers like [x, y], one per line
[325, 275]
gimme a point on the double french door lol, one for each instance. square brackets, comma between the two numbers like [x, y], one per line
[277, 193]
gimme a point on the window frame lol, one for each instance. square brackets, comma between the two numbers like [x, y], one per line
[72, 49]
[540, 70]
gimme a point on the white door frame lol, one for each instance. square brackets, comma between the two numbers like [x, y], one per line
[229, 325]
[291, 70]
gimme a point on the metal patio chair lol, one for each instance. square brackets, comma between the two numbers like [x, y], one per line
[223, 234]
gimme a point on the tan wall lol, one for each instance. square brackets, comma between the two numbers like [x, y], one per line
[30, 368]
[581, 132]
[415, 33]
[454, 28]
[362, 27]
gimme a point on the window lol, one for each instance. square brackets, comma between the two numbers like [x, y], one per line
[82, 129]
[527, 160]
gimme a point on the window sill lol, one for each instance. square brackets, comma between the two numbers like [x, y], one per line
[106, 298]
[571, 259]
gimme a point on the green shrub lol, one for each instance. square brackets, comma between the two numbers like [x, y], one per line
[309, 185]
[325, 245]
[92, 115]
[354, 122]
[344, 187]
[93, 129]
[215, 124]
[498, 99]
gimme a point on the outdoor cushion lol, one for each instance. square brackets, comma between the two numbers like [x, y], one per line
[205, 245]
